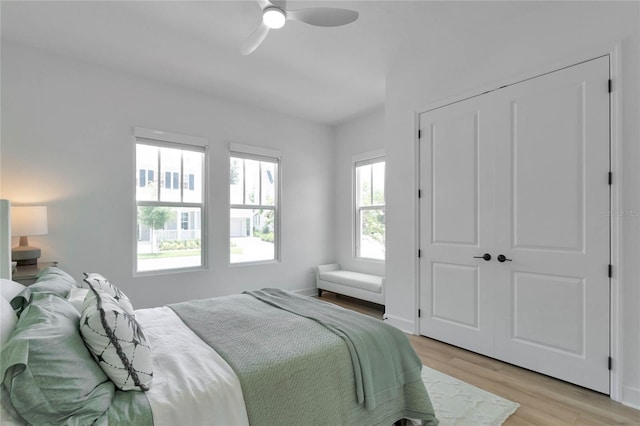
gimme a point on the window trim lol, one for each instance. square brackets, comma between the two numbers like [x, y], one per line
[365, 159]
[162, 139]
[259, 154]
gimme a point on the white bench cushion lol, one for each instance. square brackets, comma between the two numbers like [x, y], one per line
[359, 280]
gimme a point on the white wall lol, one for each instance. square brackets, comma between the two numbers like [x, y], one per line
[361, 135]
[67, 143]
[527, 42]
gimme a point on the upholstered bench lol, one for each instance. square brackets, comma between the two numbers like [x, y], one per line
[355, 284]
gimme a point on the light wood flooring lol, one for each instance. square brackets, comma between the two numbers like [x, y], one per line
[543, 400]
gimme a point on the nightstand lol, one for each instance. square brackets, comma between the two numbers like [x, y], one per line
[27, 274]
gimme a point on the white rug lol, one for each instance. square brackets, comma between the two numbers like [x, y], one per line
[457, 403]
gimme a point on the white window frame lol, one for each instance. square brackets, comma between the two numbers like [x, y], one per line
[372, 157]
[250, 152]
[162, 139]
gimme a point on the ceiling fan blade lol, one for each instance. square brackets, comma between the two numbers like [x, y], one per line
[323, 16]
[264, 4]
[254, 39]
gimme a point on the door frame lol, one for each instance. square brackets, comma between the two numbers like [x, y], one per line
[613, 50]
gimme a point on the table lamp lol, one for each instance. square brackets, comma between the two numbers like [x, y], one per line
[27, 221]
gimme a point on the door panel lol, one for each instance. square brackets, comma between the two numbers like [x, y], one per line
[554, 226]
[454, 295]
[530, 180]
[456, 220]
[549, 311]
[454, 182]
[548, 202]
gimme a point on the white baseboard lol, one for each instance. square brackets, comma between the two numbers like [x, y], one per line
[631, 397]
[306, 291]
[403, 324]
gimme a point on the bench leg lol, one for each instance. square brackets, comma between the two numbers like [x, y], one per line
[319, 292]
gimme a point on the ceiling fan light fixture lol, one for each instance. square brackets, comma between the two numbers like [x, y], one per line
[274, 17]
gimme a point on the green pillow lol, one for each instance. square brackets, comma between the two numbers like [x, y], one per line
[54, 280]
[50, 280]
[49, 373]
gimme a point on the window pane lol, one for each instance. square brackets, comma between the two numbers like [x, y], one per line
[147, 165]
[252, 181]
[176, 180]
[252, 235]
[170, 160]
[169, 237]
[372, 234]
[236, 180]
[268, 183]
[378, 183]
[363, 177]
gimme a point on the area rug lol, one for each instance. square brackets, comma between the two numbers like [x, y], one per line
[457, 403]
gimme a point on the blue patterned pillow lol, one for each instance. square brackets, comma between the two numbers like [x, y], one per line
[116, 341]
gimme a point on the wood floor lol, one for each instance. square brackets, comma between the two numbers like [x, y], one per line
[543, 400]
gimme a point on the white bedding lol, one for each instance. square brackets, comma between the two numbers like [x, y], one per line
[192, 384]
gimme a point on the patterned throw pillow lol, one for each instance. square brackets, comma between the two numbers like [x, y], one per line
[116, 341]
[100, 283]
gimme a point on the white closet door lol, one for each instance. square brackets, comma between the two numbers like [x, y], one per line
[456, 224]
[552, 197]
[521, 172]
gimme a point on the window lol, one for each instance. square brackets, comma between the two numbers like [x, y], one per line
[253, 216]
[184, 220]
[144, 176]
[170, 214]
[370, 208]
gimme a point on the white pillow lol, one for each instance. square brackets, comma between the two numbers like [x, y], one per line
[99, 282]
[76, 297]
[116, 341]
[8, 320]
[10, 289]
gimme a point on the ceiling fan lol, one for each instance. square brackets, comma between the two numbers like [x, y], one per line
[274, 16]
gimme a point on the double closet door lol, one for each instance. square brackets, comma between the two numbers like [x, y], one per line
[514, 230]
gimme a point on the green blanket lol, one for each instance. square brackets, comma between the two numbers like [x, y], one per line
[294, 370]
[383, 360]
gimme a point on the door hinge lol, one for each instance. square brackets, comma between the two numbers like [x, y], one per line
[610, 270]
[419, 253]
[610, 85]
[610, 178]
[420, 315]
[419, 133]
[610, 363]
[419, 193]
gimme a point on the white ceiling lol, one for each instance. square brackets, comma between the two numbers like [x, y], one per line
[328, 75]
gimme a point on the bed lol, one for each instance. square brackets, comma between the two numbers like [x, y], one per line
[76, 352]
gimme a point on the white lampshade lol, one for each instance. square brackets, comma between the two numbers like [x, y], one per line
[28, 220]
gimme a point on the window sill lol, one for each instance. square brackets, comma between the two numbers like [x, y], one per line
[368, 259]
[254, 263]
[137, 274]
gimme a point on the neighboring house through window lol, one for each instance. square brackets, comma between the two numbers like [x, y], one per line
[170, 210]
[254, 204]
[370, 206]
